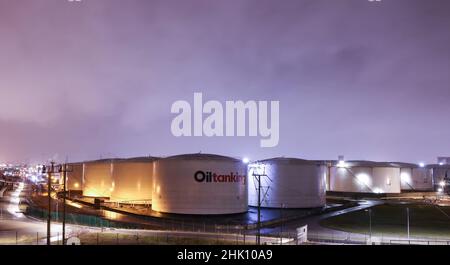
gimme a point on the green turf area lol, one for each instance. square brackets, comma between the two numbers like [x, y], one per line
[391, 219]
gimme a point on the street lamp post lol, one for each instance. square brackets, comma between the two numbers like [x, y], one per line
[444, 188]
[370, 223]
[281, 225]
[407, 220]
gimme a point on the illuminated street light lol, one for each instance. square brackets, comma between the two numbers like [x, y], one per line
[245, 160]
[341, 162]
[421, 164]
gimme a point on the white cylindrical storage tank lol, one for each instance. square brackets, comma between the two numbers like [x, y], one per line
[365, 177]
[200, 184]
[417, 178]
[97, 178]
[132, 180]
[406, 180]
[287, 183]
[422, 179]
[439, 172]
[74, 176]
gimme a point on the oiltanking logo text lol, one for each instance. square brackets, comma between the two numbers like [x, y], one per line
[208, 176]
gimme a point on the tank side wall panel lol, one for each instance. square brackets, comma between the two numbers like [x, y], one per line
[132, 181]
[289, 186]
[176, 191]
[406, 179]
[365, 179]
[75, 177]
[97, 180]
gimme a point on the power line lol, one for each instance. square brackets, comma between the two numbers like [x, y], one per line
[50, 170]
[258, 176]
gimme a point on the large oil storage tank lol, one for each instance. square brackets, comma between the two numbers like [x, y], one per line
[97, 178]
[287, 183]
[439, 174]
[200, 184]
[365, 177]
[74, 176]
[132, 180]
[416, 178]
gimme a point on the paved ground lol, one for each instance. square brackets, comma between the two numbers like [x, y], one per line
[16, 228]
[313, 221]
[249, 217]
[323, 234]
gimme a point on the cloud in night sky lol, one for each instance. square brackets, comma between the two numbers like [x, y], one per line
[369, 80]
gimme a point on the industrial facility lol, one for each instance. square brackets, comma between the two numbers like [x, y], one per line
[287, 183]
[75, 178]
[200, 184]
[132, 180]
[214, 184]
[118, 180]
[365, 176]
[416, 178]
[97, 178]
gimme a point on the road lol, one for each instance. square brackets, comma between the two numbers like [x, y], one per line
[313, 222]
[16, 228]
[318, 233]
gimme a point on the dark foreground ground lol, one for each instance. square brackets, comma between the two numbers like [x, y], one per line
[392, 219]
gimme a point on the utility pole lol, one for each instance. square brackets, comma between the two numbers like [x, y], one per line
[258, 235]
[62, 169]
[49, 189]
[258, 225]
[64, 172]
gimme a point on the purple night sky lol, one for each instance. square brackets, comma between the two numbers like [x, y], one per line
[369, 80]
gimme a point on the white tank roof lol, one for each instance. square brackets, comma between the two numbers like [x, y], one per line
[289, 160]
[366, 163]
[200, 156]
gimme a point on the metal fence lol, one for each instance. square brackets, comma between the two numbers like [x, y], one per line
[111, 236]
[377, 239]
[27, 238]
[106, 221]
[78, 219]
[108, 236]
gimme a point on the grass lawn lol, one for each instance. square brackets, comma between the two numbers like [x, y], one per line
[391, 219]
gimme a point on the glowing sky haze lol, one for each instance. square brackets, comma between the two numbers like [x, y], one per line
[370, 80]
